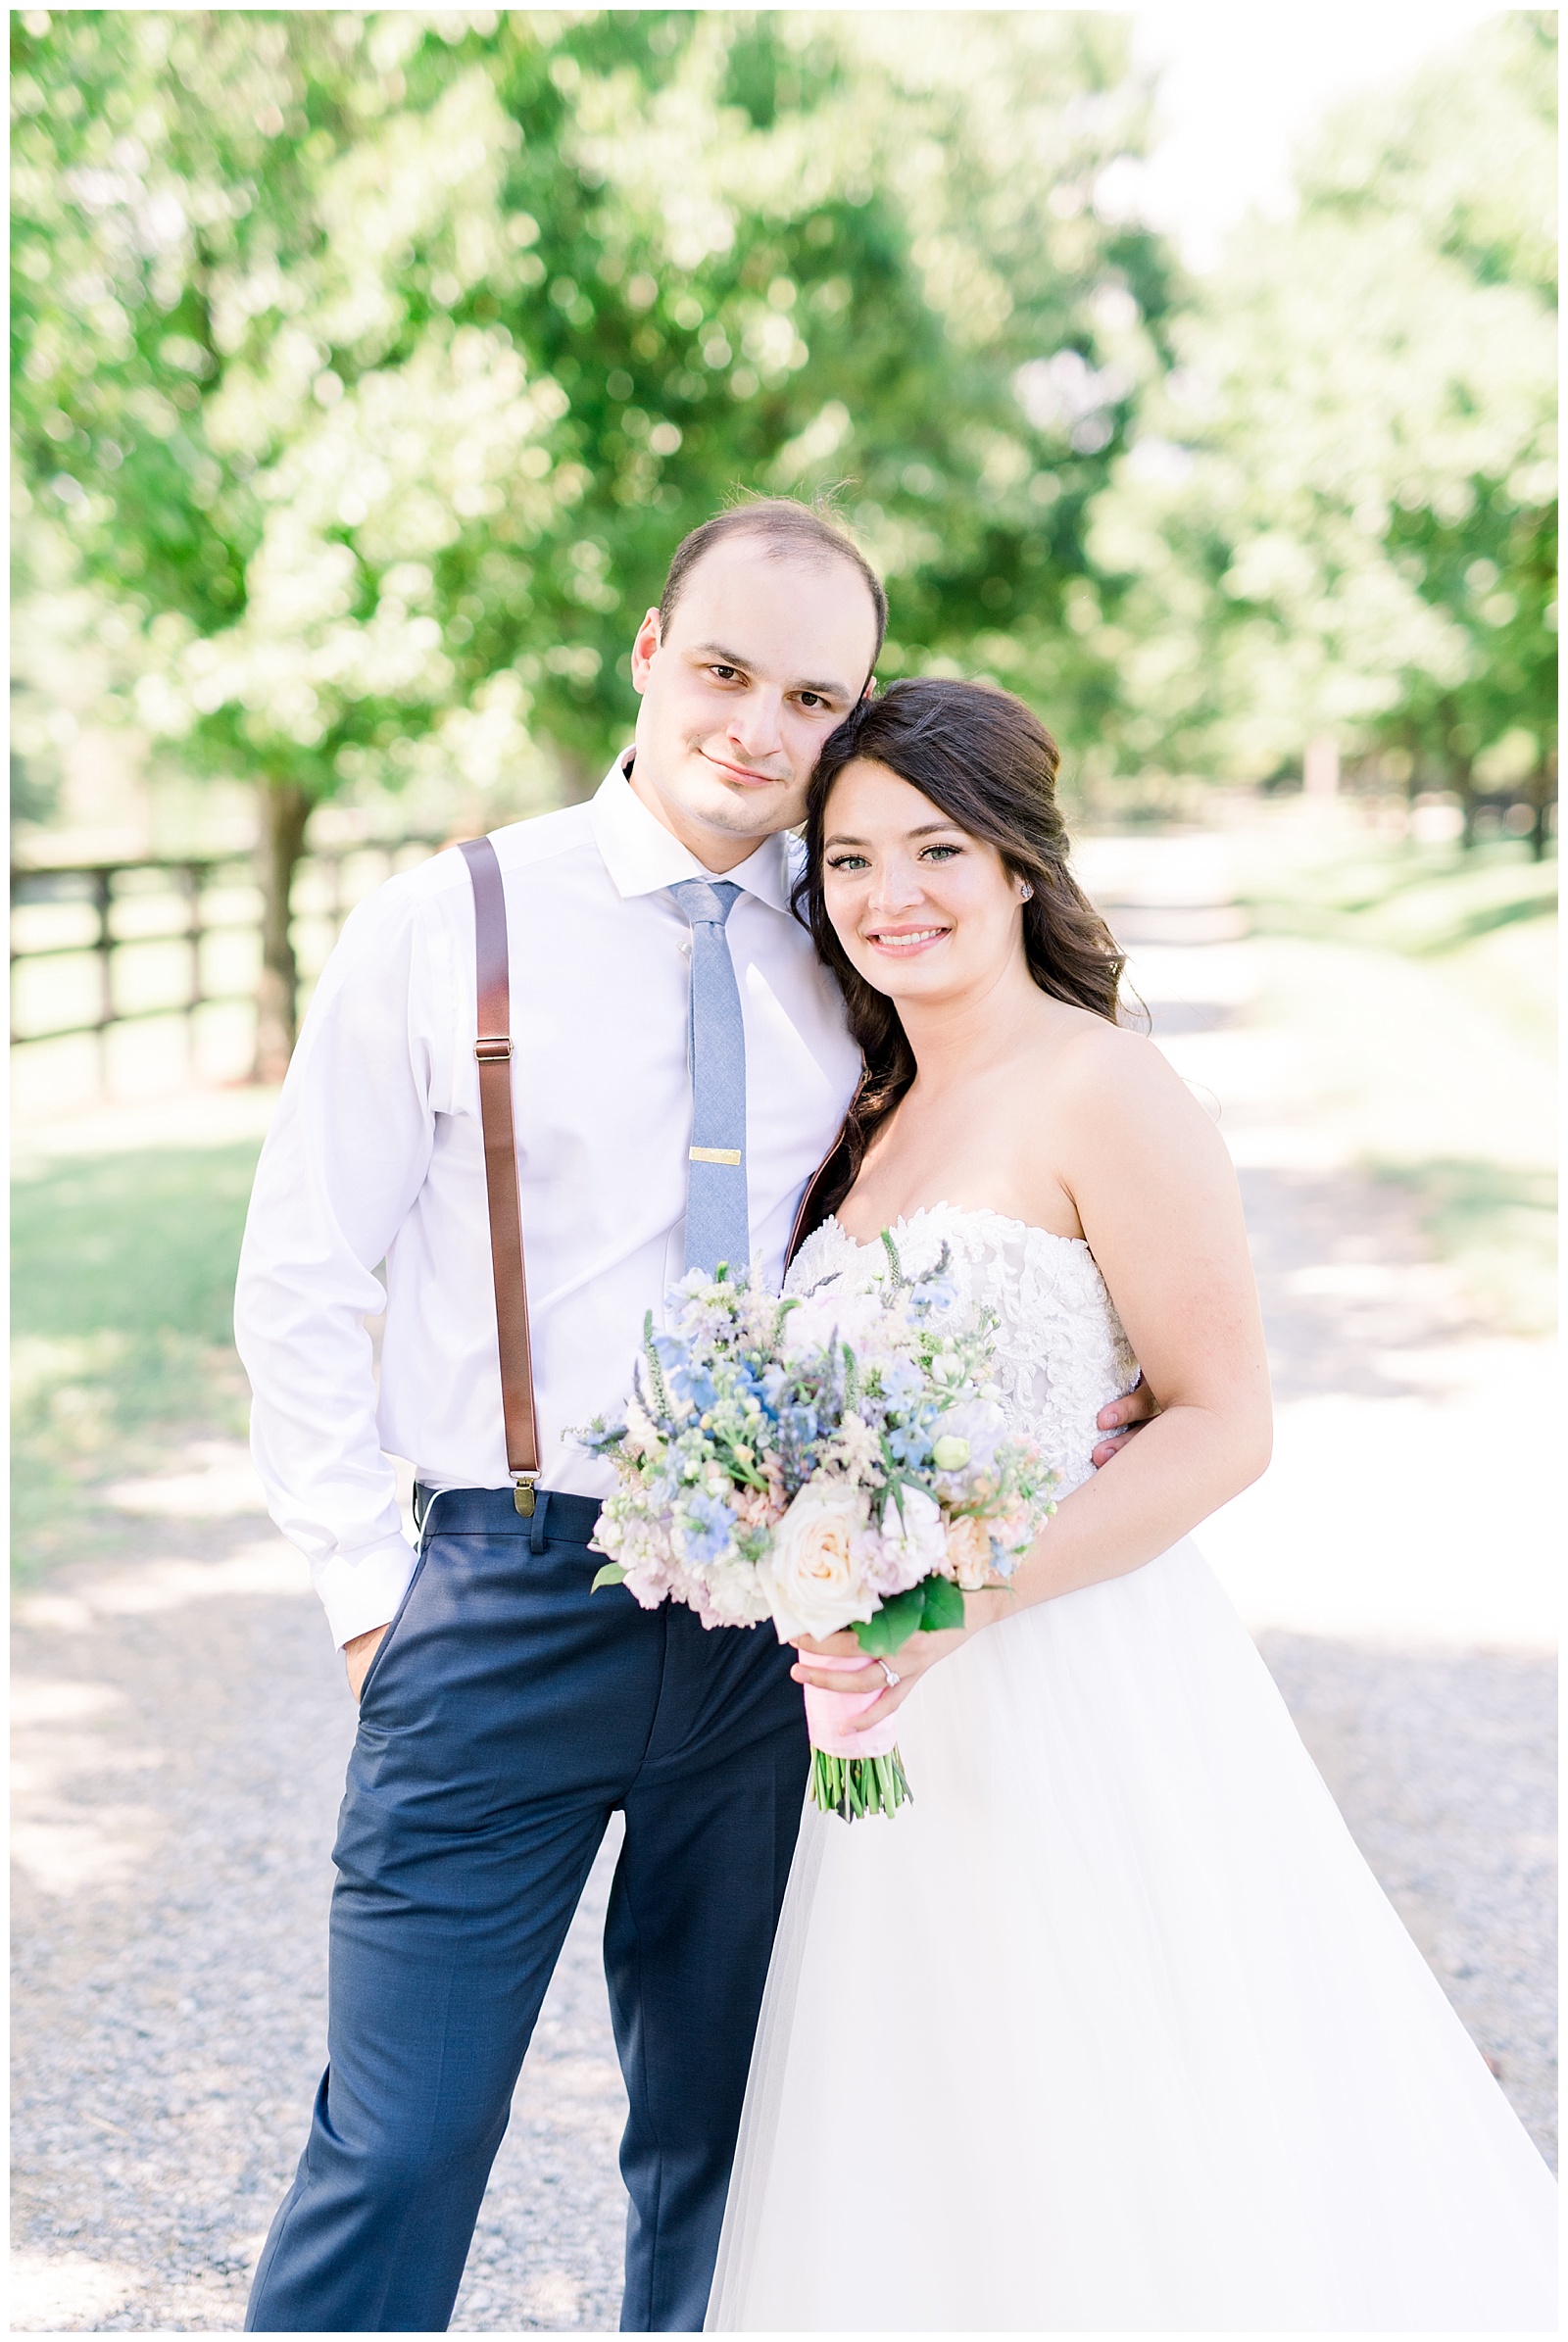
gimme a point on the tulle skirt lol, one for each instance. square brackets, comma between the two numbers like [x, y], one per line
[1114, 2030]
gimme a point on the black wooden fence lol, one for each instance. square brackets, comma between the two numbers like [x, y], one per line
[106, 913]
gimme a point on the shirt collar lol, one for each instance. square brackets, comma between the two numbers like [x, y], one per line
[642, 856]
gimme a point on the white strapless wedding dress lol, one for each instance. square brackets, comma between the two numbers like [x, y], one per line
[1112, 2031]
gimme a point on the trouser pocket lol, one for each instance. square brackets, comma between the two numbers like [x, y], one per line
[388, 1640]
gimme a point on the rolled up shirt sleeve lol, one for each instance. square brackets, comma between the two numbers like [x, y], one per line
[347, 1153]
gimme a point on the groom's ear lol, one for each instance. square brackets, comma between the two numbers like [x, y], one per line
[644, 646]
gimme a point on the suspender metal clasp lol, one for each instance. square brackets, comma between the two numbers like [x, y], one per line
[493, 1048]
[523, 1492]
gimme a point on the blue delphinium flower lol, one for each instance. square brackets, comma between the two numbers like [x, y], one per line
[745, 1386]
[901, 1382]
[686, 1381]
[934, 1297]
[909, 1445]
[696, 1385]
[708, 1525]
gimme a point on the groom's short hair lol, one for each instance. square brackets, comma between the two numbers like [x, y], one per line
[783, 527]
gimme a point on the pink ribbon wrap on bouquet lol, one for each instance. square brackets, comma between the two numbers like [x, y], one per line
[828, 1712]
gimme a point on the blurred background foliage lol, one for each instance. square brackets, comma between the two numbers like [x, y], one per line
[367, 367]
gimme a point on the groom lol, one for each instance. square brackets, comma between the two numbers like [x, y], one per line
[505, 1711]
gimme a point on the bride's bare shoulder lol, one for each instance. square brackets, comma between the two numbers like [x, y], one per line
[1112, 1074]
[1086, 1047]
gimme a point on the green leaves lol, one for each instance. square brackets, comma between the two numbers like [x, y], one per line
[930, 1608]
[611, 1574]
[944, 1605]
[367, 361]
[1340, 519]
[900, 1616]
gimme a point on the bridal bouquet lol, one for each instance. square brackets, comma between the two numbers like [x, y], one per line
[824, 1461]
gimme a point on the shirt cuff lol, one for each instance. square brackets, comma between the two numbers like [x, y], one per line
[361, 1590]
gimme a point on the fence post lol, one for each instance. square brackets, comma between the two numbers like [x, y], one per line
[191, 876]
[102, 896]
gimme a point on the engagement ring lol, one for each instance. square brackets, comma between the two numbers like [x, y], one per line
[891, 1672]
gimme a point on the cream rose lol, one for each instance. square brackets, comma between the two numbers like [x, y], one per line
[815, 1575]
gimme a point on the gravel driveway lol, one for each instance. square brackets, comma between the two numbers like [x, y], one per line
[182, 1726]
[181, 1732]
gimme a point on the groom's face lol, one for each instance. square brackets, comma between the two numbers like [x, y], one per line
[763, 656]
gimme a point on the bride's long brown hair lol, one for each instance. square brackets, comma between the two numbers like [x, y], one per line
[990, 765]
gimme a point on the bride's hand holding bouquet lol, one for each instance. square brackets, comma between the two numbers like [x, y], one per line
[892, 1681]
[829, 1461]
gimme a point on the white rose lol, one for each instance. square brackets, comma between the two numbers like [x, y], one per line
[814, 1570]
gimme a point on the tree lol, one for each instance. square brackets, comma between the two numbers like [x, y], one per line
[375, 363]
[1341, 515]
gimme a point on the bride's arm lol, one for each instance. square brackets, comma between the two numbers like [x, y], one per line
[1159, 1206]
[1157, 1201]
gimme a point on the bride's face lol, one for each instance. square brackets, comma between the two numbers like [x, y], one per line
[924, 910]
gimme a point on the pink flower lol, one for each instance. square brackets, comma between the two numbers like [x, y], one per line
[758, 1508]
[1014, 1532]
[969, 1551]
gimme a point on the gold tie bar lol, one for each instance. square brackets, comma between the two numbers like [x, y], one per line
[716, 1154]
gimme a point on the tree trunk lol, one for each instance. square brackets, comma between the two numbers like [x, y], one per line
[579, 776]
[284, 811]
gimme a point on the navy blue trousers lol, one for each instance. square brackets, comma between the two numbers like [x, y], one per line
[507, 1714]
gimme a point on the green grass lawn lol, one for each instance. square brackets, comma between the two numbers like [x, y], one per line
[1426, 980]
[1419, 900]
[1497, 1225]
[121, 1295]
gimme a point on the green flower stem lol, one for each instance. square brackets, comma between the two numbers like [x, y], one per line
[855, 1786]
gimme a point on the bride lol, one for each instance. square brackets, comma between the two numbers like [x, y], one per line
[1113, 2029]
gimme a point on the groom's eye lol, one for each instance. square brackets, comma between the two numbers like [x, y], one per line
[726, 674]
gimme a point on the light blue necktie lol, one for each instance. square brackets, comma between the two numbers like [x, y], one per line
[717, 1227]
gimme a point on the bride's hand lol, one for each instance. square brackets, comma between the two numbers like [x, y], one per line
[910, 1661]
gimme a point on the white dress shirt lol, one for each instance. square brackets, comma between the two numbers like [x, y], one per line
[376, 1153]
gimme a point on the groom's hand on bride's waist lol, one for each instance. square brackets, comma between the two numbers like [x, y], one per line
[1122, 1419]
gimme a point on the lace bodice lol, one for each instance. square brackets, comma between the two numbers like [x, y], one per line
[1060, 1350]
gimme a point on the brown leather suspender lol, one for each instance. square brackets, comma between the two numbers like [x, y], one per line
[808, 1214]
[493, 1048]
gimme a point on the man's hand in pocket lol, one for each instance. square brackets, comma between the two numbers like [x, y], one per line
[357, 1652]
